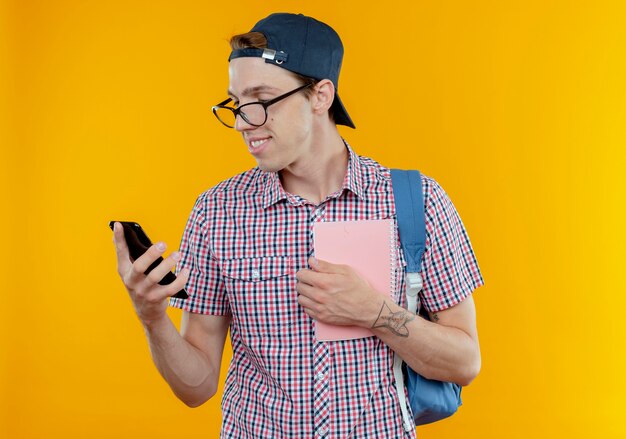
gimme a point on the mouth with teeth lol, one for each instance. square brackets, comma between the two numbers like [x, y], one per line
[257, 145]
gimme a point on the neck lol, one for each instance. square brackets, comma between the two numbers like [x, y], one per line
[322, 171]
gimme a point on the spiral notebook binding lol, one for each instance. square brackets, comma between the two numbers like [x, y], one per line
[393, 247]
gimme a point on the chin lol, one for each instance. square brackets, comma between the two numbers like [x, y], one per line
[268, 167]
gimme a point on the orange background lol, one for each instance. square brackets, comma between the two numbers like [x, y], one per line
[516, 108]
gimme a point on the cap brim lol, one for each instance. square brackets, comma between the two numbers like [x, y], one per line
[340, 113]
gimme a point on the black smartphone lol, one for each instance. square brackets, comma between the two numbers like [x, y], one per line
[138, 242]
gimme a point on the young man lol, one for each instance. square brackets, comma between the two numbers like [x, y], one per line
[247, 262]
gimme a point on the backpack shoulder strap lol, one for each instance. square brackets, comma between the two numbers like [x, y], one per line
[407, 193]
[409, 201]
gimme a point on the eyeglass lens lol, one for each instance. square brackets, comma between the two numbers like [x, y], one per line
[253, 114]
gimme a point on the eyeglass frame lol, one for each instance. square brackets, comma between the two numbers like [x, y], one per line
[238, 111]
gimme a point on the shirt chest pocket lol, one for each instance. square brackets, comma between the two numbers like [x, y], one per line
[262, 292]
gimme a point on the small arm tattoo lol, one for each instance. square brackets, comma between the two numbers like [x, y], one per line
[394, 321]
[435, 318]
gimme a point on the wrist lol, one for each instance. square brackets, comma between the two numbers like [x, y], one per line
[371, 309]
[392, 317]
[156, 324]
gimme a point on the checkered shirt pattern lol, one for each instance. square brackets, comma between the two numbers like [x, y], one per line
[244, 242]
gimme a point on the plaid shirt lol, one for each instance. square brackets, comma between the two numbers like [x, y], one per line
[244, 242]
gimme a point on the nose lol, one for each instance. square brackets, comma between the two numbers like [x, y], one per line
[241, 125]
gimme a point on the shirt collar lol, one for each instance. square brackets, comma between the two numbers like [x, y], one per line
[353, 182]
[274, 191]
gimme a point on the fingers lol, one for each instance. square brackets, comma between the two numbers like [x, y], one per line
[307, 304]
[177, 285]
[159, 272]
[121, 249]
[163, 268]
[151, 291]
[317, 279]
[156, 294]
[306, 276]
[309, 296]
[326, 267]
[139, 267]
[305, 289]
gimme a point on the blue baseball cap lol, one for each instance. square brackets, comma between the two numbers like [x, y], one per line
[302, 45]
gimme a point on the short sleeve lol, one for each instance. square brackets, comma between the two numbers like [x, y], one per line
[449, 266]
[205, 286]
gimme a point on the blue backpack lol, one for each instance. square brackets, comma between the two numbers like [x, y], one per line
[430, 400]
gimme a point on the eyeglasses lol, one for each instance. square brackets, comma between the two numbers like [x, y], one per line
[253, 113]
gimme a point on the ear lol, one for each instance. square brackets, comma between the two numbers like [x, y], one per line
[323, 96]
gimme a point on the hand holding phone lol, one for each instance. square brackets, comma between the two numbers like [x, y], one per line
[138, 242]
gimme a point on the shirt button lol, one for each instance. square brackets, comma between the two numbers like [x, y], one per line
[319, 377]
[322, 432]
[256, 274]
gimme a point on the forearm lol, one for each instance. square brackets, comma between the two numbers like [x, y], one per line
[433, 350]
[446, 351]
[187, 370]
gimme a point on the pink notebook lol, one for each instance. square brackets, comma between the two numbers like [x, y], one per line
[367, 247]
